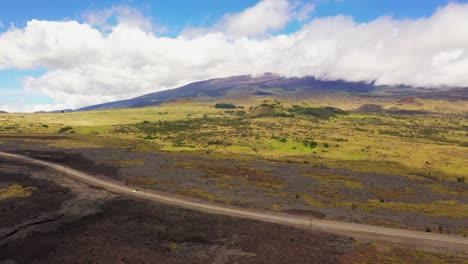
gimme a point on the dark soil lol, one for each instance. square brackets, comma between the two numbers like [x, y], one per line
[126, 230]
[385, 253]
[73, 160]
[129, 231]
[48, 196]
[261, 184]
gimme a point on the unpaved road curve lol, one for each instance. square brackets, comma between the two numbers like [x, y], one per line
[359, 231]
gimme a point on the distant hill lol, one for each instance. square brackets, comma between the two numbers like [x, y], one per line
[410, 100]
[370, 108]
[265, 110]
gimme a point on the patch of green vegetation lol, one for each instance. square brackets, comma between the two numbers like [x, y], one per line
[312, 201]
[226, 185]
[276, 193]
[463, 231]
[309, 144]
[337, 180]
[269, 110]
[269, 185]
[65, 129]
[250, 176]
[16, 191]
[391, 193]
[195, 192]
[225, 106]
[128, 163]
[330, 193]
[320, 112]
[444, 189]
[448, 208]
[140, 181]
[174, 246]
[351, 184]
[276, 207]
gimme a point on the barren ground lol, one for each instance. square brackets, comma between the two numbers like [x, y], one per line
[64, 221]
[87, 225]
[288, 187]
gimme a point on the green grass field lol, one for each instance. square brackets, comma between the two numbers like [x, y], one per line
[433, 144]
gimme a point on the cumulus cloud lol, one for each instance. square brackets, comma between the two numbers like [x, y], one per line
[122, 14]
[265, 17]
[87, 65]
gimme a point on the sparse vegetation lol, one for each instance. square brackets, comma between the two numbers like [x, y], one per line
[126, 163]
[195, 192]
[422, 149]
[16, 191]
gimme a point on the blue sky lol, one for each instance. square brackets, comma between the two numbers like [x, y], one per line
[176, 16]
[179, 13]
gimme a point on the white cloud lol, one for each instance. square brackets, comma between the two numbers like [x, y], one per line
[87, 65]
[265, 17]
[302, 11]
[124, 15]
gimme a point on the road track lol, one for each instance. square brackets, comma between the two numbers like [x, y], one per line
[359, 231]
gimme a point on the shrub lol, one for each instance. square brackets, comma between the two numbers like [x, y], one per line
[461, 179]
[225, 106]
[310, 144]
[65, 129]
[215, 142]
[313, 144]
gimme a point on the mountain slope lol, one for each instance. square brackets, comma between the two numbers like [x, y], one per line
[267, 84]
[276, 86]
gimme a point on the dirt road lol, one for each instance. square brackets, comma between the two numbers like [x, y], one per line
[359, 231]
